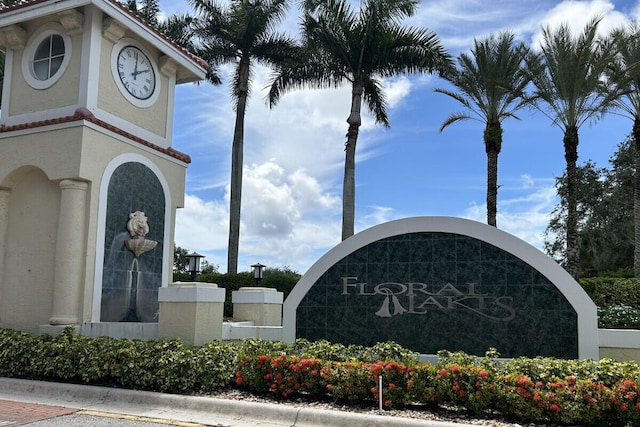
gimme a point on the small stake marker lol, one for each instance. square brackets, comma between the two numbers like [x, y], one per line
[380, 393]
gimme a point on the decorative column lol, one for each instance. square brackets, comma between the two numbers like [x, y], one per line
[262, 306]
[70, 253]
[191, 311]
[4, 226]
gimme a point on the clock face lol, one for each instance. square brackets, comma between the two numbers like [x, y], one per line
[136, 72]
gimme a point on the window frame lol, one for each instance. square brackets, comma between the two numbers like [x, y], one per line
[28, 58]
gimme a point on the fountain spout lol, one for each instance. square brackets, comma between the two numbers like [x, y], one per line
[138, 228]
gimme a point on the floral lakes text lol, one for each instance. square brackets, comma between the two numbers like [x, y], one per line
[418, 298]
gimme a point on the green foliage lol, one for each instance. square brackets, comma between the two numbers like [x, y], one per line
[180, 262]
[230, 282]
[159, 365]
[619, 317]
[283, 279]
[605, 208]
[618, 301]
[584, 392]
[611, 291]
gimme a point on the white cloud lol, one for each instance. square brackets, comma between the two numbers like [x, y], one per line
[396, 90]
[286, 219]
[202, 225]
[525, 215]
[576, 14]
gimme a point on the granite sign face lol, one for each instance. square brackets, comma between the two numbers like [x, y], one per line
[438, 283]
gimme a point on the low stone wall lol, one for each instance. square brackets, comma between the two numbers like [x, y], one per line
[619, 344]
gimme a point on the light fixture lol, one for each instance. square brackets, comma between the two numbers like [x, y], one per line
[257, 272]
[194, 264]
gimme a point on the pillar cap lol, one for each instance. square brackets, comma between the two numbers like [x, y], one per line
[257, 296]
[192, 284]
[256, 289]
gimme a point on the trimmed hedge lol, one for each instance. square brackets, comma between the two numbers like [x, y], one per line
[585, 392]
[618, 301]
[611, 291]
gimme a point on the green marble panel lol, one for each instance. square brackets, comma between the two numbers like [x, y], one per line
[432, 291]
[129, 283]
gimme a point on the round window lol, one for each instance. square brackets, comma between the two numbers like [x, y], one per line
[46, 56]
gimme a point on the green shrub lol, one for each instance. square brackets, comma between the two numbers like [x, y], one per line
[619, 317]
[282, 279]
[280, 376]
[16, 352]
[350, 382]
[610, 291]
[216, 365]
[583, 392]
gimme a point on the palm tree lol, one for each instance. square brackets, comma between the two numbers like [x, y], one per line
[491, 86]
[241, 34]
[179, 28]
[569, 85]
[361, 48]
[625, 74]
[146, 9]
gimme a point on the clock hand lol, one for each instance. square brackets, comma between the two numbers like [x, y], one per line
[135, 70]
[135, 73]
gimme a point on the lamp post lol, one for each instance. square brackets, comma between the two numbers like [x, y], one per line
[194, 264]
[257, 272]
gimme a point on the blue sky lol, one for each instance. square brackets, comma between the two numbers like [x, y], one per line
[291, 202]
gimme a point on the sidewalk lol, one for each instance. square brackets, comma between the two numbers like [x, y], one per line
[201, 410]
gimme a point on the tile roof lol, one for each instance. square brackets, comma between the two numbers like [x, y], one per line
[86, 115]
[201, 62]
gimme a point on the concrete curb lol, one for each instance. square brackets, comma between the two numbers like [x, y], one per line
[190, 408]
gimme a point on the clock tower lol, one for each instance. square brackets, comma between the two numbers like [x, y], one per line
[89, 181]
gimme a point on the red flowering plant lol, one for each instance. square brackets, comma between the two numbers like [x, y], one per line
[467, 386]
[348, 381]
[252, 373]
[423, 387]
[518, 395]
[625, 401]
[574, 400]
[282, 375]
[397, 383]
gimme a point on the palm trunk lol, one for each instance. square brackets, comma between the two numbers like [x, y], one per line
[570, 141]
[349, 183]
[493, 144]
[636, 198]
[235, 196]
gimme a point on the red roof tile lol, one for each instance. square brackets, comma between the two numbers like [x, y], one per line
[198, 60]
[85, 114]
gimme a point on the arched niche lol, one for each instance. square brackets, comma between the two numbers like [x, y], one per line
[126, 285]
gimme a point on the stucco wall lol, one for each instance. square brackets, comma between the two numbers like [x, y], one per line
[111, 100]
[30, 249]
[619, 344]
[25, 99]
[56, 153]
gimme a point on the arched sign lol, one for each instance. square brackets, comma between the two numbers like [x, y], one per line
[433, 283]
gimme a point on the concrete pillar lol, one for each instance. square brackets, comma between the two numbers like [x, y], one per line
[191, 311]
[263, 306]
[4, 226]
[70, 253]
